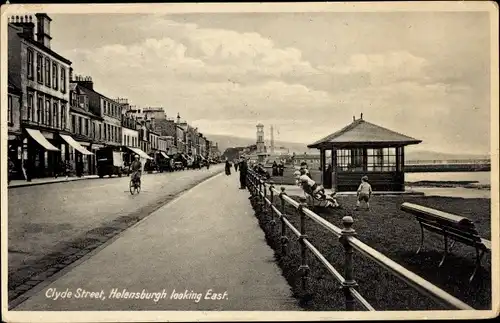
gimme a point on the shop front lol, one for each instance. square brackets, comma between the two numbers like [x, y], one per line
[43, 156]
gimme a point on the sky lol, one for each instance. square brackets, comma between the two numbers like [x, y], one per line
[424, 74]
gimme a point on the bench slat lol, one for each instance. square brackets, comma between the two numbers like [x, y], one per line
[422, 210]
[469, 240]
[467, 231]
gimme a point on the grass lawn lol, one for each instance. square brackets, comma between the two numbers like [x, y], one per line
[396, 235]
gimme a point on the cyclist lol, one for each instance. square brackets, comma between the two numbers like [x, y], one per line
[136, 168]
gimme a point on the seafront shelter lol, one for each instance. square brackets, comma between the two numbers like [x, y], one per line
[363, 148]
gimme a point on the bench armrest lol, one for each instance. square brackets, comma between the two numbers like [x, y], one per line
[487, 243]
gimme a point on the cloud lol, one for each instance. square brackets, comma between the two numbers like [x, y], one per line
[225, 81]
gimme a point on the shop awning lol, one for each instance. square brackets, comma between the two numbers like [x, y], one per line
[140, 153]
[202, 158]
[37, 135]
[73, 143]
[164, 155]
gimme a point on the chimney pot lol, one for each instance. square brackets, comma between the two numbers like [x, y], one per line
[353, 118]
[361, 116]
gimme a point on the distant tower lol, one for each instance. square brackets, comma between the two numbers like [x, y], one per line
[272, 140]
[261, 148]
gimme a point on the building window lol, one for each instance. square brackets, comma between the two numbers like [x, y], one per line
[73, 123]
[31, 111]
[80, 127]
[63, 116]
[381, 160]
[40, 116]
[86, 127]
[63, 80]
[39, 68]
[100, 131]
[55, 76]
[30, 63]
[55, 113]
[105, 131]
[48, 119]
[47, 71]
[93, 131]
[9, 110]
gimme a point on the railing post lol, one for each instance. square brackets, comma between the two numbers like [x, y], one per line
[264, 198]
[271, 199]
[283, 238]
[304, 268]
[349, 282]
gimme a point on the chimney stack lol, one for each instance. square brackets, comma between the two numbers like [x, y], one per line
[25, 22]
[85, 81]
[353, 118]
[43, 29]
[361, 115]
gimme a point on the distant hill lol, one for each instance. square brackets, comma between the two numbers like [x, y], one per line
[299, 148]
[233, 141]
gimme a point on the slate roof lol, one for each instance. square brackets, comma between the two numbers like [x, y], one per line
[361, 131]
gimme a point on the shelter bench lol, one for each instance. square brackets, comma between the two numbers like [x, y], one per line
[451, 227]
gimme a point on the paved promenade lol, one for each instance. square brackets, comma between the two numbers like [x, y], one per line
[215, 248]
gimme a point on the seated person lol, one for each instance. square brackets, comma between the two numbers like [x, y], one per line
[310, 187]
[303, 166]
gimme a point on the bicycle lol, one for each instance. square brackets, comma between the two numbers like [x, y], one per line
[135, 185]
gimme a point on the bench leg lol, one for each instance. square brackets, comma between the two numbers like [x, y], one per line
[445, 250]
[451, 245]
[421, 239]
[479, 256]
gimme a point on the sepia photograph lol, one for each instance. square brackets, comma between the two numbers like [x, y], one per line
[249, 161]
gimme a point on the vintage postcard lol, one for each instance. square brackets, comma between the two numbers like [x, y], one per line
[249, 161]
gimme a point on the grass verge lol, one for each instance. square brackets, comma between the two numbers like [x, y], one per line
[396, 235]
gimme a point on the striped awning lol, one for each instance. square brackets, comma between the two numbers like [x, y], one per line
[73, 143]
[139, 152]
[38, 137]
[164, 155]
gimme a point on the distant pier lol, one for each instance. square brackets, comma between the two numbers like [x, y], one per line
[460, 165]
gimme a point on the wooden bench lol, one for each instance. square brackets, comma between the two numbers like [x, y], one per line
[451, 227]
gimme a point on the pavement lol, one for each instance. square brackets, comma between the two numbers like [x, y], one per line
[206, 243]
[48, 180]
[51, 226]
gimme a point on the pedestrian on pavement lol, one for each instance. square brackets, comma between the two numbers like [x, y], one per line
[228, 167]
[275, 168]
[236, 162]
[364, 193]
[280, 168]
[10, 170]
[243, 173]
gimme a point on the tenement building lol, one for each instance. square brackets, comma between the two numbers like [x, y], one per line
[41, 76]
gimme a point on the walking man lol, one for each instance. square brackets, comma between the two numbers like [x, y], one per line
[243, 173]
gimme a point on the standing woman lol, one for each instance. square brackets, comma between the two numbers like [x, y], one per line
[228, 167]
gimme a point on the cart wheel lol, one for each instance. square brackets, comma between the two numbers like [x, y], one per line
[138, 188]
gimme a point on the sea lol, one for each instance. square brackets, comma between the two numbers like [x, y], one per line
[482, 178]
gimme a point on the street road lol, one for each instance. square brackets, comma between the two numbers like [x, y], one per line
[202, 251]
[46, 220]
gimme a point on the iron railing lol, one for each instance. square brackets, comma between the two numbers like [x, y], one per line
[265, 194]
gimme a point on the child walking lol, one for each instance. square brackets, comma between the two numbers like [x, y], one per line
[364, 192]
